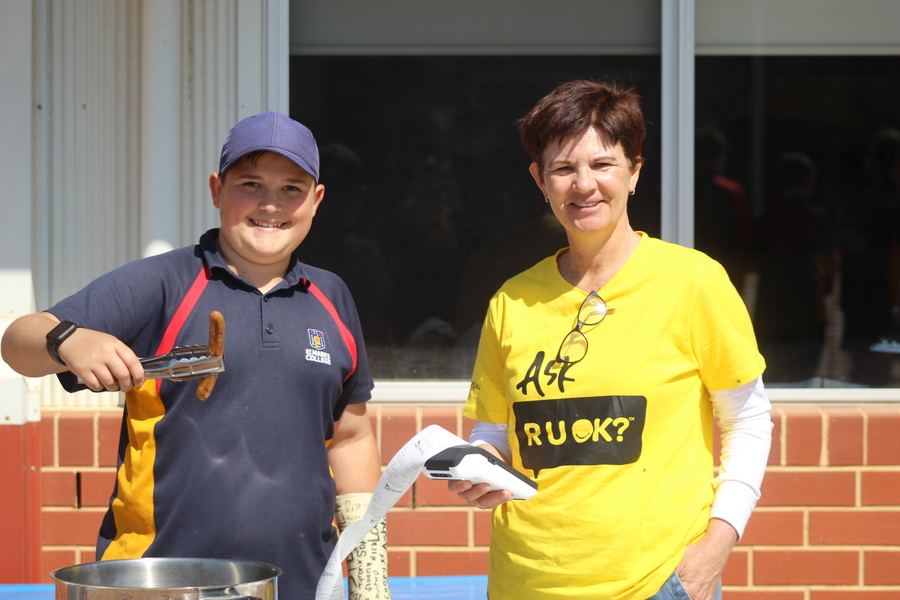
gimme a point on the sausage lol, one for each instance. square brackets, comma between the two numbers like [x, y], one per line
[216, 333]
[216, 348]
[205, 387]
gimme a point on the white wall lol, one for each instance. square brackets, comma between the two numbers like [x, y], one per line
[798, 27]
[130, 102]
[18, 397]
[475, 27]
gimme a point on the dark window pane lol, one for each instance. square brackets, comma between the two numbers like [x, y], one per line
[798, 168]
[445, 210]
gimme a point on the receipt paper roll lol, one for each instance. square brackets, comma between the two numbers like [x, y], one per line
[400, 474]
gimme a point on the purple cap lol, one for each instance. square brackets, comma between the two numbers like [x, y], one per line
[271, 132]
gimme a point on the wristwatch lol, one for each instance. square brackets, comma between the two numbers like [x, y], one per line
[57, 336]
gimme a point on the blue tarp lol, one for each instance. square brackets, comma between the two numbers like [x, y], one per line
[27, 592]
[402, 588]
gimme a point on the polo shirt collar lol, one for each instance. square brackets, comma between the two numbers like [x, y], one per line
[295, 276]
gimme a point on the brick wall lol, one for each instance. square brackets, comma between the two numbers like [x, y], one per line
[827, 527]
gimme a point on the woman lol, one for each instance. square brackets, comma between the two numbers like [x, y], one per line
[598, 373]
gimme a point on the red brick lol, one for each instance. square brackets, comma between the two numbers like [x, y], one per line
[845, 435]
[483, 527]
[56, 559]
[59, 488]
[398, 426]
[737, 569]
[881, 568]
[805, 567]
[880, 488]
[71, 527]
[399, 563]
[444, 416]
[854, 595]
[761, 595]
[777, 427]
[774, 528]
[802, 488]
[883, 441]
[406, 500]
[76, 439]
[804, 434]
[96, 487]
[428, 528]
[435, 564]
[431, 492]
[48, 439]
[108, 428]
[854, 527]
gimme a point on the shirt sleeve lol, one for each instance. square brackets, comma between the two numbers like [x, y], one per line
[487, 400]
[495, 434]
[722, 334]
[743, 413]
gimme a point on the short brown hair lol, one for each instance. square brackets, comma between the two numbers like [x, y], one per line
[574, 107]
[250, 157]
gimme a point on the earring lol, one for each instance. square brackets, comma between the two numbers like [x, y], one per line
[631, 192]
[546, 199]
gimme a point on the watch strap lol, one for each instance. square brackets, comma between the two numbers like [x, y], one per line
[57, 336]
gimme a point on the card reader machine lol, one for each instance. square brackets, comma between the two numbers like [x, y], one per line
[467, 462]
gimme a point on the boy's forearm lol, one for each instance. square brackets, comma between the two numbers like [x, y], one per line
[353, 453]
[24, 345]
[367, 564]
[356, 471]
[354, 460]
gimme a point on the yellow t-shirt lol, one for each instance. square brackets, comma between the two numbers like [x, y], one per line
[620, 444]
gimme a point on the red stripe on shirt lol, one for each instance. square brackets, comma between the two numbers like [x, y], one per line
[349, 341]
[181, 315]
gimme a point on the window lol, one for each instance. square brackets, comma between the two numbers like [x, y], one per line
[798, 195]
[429, 206]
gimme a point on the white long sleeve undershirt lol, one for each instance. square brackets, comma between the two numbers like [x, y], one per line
[745, 424]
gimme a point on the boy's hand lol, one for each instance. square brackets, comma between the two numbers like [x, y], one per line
[101, 361]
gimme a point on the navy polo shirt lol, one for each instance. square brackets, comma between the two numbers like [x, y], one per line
[245, 474]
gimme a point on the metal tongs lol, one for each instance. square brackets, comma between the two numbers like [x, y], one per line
[189, 362]
[192, 362]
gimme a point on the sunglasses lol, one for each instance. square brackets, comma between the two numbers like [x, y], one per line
[574, 346]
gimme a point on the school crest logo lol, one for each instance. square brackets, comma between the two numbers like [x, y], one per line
[316, 339]
[317, 353]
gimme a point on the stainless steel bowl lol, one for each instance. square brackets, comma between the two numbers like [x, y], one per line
[167, 579]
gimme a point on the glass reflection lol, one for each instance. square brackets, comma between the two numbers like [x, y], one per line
[813, 242]
[446, 210]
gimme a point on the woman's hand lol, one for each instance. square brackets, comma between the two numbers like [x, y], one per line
[480, 494]
[701, 566]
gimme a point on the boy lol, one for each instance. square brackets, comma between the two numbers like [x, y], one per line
[244, 475]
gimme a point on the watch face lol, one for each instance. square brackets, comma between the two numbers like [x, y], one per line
[56, 336]
[61, 331]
